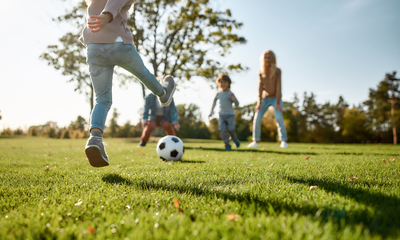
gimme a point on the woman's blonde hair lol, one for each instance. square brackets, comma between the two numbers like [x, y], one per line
[263, 67]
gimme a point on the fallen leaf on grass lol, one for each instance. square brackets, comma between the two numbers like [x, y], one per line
[313, 187]
[305, 158]
[392, 159]
[271, 165]
[176, 204]
[142, 153]
[47, 168]
[377, 147]
[311, 147]
[250, 156]
[91, 230]
[233, 217]
[384, 161]
[353, 178]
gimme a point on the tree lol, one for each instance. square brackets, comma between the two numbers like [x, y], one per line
[183, 38]
[353, 126]
[79, 124]
[394, 92]
[380, 116]
[70, 58]
[190, 121]
[113, 129]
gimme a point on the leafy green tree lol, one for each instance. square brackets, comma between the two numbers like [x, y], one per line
[113, 128]
[191, 124]
[79, 124]
[185, 38]
[394, 93]
[242, 127]
[354, 126]
[379, 109]
[69, 56]
[128, 130]
[181, 38]
[291, 117]
[213, 129]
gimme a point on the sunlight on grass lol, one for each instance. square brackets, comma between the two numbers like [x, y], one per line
[323, 191]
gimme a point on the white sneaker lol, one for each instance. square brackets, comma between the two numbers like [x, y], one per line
[284, 144]
[253, 144]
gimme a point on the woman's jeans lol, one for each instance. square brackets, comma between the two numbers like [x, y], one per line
[266, 102]
[102, 58]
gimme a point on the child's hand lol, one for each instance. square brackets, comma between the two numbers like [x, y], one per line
[99, 23]
[177, 126]
[279, 108]
[146, 122]
[232, 96]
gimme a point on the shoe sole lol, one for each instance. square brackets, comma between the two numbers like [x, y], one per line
[170, 97]
[252, 146]
[93, 154]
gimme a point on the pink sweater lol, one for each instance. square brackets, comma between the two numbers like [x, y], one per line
[118, 27]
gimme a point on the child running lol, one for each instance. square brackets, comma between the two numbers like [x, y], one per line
[110, 43]
[226, 122]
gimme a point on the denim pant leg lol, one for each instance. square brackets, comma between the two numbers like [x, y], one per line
[223, 127]
[231, 126]
[101, 73]
[127, 57]
[258, 117]
[280, 125]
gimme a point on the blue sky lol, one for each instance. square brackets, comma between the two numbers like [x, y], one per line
[331, 48]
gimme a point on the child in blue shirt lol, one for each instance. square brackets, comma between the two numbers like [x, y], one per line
[226, 122]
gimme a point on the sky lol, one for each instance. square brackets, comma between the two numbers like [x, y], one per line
[329, 48]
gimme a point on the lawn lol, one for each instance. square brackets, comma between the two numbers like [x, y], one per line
[48, 190]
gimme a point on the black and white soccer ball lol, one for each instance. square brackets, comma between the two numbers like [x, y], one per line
[170, 148]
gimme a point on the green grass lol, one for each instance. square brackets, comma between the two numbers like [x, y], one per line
[49, 191]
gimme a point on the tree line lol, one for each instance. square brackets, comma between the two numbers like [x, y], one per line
[191, 38]
[373, 121]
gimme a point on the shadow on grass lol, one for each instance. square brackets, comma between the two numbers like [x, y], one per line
[382, 221]
[251, 150]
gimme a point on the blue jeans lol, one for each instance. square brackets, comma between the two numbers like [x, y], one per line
[102, 59]
[226, 124]
[266, 102]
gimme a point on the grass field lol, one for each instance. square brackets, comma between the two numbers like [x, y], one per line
[307, 191]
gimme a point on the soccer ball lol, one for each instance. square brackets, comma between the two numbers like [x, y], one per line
[170, 148]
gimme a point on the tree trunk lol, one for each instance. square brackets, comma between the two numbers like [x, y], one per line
[143, 91]
[393, 121]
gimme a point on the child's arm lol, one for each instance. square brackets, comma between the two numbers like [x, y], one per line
[234, 100]
[99, 23]
[213, 106]
[112, 9]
